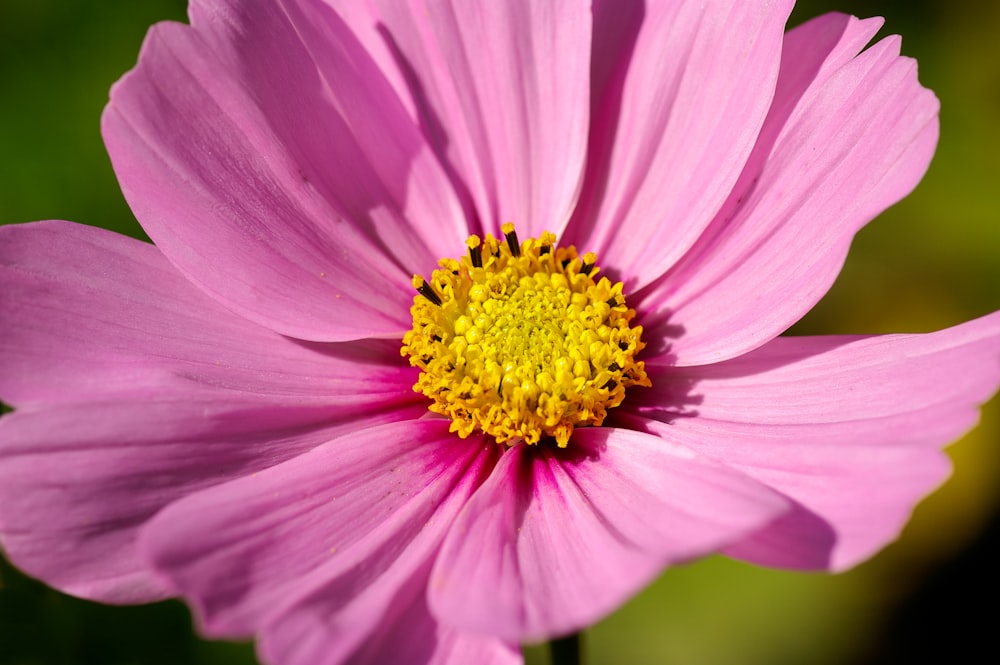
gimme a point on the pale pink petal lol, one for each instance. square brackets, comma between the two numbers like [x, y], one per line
[556, 539]
[133, 389]
[680, 90]
[79, 481]
[266, 156]
[405, 633]
[849, 428]
[845, 139]
[502, 90]
[385, 132]
[87, 314]
[326, 540]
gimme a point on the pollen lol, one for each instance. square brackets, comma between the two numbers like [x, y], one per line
[522, 341]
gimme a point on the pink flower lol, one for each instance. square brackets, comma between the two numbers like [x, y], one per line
[226, 415]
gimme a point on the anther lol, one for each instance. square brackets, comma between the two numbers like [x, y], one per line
[475, 251]
[495, 318]
[511, 236]
[424, 289]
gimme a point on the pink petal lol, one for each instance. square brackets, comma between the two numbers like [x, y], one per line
[680, 91]
[502, 90]
[846, 138]
[78, 481]
[322, 544]
[383, 127]
[133, 389]
[267, 157]
[847, 427]
[408, 634]
[90, 315]
[556, 539]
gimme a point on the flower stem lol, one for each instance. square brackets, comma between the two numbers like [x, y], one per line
[566, 650]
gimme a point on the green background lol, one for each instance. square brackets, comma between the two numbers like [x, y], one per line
[930, 262]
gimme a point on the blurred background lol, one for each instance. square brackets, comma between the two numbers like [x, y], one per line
[930, 262]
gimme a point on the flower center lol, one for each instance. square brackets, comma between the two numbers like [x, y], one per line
[520, 341]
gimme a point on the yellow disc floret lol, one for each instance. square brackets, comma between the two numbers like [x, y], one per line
[520, 341]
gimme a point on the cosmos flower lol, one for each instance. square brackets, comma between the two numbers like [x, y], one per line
[585, 228]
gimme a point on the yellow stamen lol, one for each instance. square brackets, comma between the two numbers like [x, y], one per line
[520, 341]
